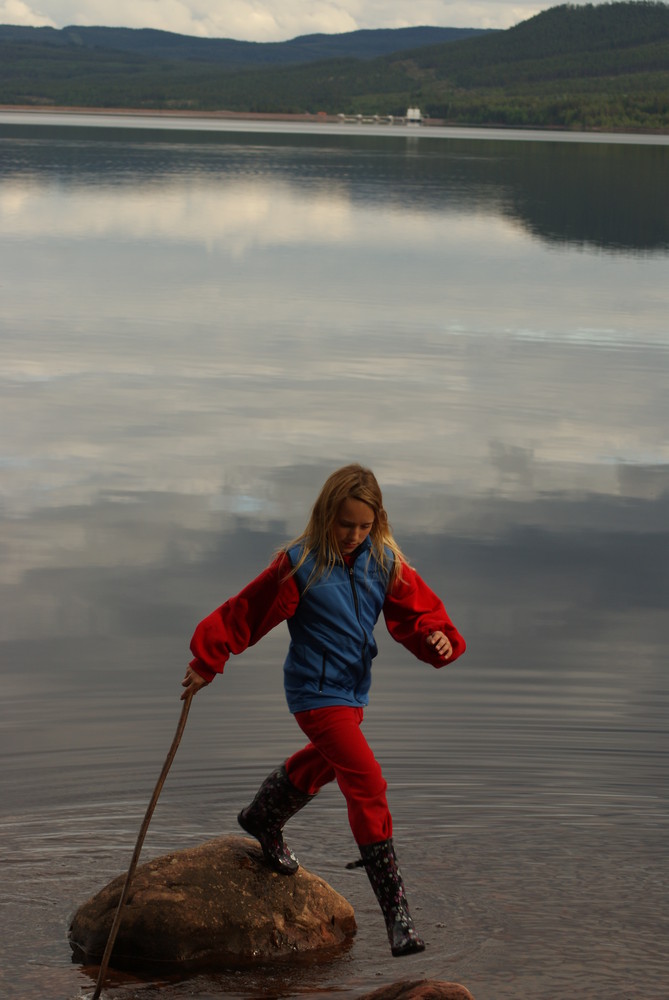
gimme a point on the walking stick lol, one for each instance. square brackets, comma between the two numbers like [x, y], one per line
[138, 846]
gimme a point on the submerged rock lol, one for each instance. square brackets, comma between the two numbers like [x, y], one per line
[420, 989]
[215, 905]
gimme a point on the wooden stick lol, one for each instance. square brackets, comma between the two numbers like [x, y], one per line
[138, 846]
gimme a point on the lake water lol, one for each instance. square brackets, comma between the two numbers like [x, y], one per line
[199, 322]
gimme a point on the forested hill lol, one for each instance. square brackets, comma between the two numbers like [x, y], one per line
[150, 44]
[603, 66]
[560, 42]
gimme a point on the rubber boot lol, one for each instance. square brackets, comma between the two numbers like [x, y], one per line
[380, 863]
[275, 802]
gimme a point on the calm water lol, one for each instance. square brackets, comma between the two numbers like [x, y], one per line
[197, 326]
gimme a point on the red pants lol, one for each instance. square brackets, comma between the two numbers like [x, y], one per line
[338, 750]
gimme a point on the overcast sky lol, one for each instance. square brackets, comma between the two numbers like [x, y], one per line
[268, 20]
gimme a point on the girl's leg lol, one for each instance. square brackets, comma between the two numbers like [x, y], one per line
[286, 790]
[336, 738]
[339, 747]
[309, 770]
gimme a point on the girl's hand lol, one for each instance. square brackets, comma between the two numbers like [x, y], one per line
[440, 643]
[192, 682]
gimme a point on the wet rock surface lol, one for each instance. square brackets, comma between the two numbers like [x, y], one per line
[420, 989]
[217, 905]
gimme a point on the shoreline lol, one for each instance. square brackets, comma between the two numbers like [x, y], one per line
[320, 118]
[250, 116]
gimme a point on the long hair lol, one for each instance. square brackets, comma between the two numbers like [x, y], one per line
[317, 539]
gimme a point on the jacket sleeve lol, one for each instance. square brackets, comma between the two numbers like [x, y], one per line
[243, 620]
[412, 611]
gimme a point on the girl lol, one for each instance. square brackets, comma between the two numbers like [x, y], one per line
[331, 585]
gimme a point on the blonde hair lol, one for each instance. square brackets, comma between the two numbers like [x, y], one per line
[350, 482]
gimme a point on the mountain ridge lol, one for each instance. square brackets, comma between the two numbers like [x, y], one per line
[155, 43]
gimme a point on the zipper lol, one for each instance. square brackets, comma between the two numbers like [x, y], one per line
[320, 686]
[357, 606]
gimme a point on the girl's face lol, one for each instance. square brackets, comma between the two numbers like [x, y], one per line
[353, 523]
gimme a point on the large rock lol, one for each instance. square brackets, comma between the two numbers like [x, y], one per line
[216, 905]
[420, 989]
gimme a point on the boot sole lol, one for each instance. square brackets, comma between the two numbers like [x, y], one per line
[414, 949]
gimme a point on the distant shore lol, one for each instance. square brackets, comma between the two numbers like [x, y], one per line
[319, 118]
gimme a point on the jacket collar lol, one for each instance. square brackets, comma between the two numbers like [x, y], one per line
[364, 546]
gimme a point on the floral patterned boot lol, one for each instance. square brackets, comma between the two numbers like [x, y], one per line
[275, 802]
[380, 863]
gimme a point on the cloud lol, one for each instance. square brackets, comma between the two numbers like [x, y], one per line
[17, 12]
[267, 20]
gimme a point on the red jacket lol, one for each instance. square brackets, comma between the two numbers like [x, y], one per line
[411, 611]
